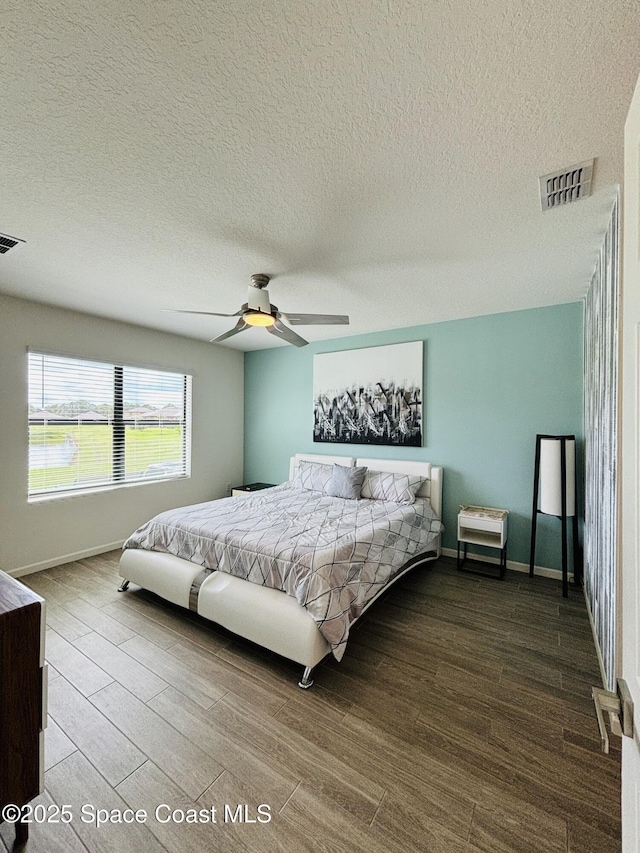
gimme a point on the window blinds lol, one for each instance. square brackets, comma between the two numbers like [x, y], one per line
[94, 424]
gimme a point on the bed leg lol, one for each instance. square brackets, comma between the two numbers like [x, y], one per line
[306, 681]
[124, 586]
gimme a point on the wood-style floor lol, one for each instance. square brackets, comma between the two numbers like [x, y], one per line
[459, 721]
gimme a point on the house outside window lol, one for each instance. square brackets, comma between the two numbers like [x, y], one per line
[94, 424]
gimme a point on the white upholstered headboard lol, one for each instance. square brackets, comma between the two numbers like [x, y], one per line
[431, 488]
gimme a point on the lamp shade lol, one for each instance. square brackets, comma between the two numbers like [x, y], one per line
[551, 476]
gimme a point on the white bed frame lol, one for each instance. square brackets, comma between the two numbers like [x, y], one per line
[268, 617]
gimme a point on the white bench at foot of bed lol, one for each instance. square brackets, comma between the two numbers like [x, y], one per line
[268, 617]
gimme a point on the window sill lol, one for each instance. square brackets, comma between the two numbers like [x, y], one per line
[96, 490]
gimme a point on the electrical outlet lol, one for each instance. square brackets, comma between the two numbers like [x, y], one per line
[228, 489]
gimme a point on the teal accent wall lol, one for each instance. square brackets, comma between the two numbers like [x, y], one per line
[490, 384]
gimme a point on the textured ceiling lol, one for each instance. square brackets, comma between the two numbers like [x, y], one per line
[378, 158]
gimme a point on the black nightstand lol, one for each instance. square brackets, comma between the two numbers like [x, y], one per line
[238, 491]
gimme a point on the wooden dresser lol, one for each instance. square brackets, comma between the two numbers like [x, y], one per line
[23, 695]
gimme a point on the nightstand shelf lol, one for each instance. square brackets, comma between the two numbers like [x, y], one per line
[486, 526]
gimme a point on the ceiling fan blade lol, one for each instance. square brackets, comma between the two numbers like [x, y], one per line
[207, 313]
[239, 327]
[316, 319]
[281, 331]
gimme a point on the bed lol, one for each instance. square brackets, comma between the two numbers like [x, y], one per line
[291, 568]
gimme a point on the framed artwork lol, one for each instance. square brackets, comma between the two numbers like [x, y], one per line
[369, 396]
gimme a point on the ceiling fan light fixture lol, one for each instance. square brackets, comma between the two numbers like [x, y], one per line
[259, 311]
[258, 318]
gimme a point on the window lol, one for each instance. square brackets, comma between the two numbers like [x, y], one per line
[96, 424]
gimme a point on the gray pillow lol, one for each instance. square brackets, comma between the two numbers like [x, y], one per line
[346, 482]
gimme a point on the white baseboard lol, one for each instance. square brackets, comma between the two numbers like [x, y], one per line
[542, 571]
[65, 558]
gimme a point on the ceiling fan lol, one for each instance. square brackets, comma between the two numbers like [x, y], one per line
[258, 311]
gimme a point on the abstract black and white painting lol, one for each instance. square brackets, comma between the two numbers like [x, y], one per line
[369, 396]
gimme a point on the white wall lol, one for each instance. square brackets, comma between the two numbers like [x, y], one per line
[39, 535]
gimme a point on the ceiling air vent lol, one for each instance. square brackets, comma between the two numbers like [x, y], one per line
[7, 243]
[566, 186]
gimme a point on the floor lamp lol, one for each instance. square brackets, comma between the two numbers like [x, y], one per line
[555, 488]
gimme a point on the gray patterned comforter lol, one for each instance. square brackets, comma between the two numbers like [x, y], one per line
[331, 554]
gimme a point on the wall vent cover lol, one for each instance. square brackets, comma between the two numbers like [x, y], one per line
[7, 243]
[566, 186]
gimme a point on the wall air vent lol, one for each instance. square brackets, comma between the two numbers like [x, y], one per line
[7, 243]
[566, 186]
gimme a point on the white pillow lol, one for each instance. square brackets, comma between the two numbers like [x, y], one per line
[387, 486]
[312, 476]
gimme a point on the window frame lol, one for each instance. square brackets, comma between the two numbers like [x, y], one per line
[119, 423]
